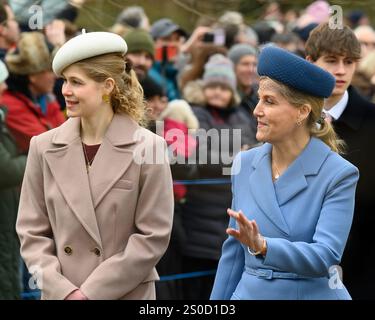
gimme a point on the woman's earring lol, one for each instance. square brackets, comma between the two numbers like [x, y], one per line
[106, 98]
[299, 122]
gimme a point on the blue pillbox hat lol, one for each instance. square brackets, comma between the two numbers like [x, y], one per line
[295, 72]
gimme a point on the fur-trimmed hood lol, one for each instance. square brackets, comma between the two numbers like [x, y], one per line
[193, 93]
[30, 56]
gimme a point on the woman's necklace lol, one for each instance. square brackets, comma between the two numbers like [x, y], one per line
[277, 172]
[88, 162]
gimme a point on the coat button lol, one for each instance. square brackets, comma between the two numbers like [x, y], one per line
[68, 250]
[96, 251]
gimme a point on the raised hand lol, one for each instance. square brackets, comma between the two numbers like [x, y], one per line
[248, 232]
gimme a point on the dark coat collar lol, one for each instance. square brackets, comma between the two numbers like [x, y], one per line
[355, 111]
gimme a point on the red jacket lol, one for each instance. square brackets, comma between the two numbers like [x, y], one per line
[25, 119]
[183, 145]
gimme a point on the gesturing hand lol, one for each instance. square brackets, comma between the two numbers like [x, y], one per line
[248, 232]
[55, 32]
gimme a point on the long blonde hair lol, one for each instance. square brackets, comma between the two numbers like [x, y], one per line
[127, 95]
[317, 126]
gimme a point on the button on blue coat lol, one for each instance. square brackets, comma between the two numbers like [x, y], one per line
[305, 216]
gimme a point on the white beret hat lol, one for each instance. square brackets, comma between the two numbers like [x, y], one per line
[3, 72]
[87, 45]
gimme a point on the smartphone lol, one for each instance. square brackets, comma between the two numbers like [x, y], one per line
[166, 53]
[208, 37]
[216, 37]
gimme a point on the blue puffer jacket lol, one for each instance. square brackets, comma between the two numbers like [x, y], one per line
[166, 76]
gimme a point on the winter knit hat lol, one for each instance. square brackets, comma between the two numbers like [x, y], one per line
[140, 40]
[151, 88]
[219, 69]
[133, 16]
[30, 56]
[165, 27]
[239, 50]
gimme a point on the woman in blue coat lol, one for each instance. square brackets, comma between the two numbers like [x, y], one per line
[293, 197]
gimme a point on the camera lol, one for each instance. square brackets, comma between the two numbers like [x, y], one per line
[166, 53]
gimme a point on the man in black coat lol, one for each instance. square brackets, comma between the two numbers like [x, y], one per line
[353, 118]
[356, 127]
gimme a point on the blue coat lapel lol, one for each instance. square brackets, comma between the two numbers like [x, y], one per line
[262, 188]
[293, 181]
[270, 196]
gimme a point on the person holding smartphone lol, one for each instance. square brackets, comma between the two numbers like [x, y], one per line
[168, 37]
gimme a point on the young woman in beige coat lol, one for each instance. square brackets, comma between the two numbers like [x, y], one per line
[96, 206]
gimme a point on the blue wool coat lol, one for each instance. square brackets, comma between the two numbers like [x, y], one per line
[305, 217]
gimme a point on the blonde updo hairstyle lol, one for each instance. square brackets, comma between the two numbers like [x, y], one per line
[316, 125]
[127, 95]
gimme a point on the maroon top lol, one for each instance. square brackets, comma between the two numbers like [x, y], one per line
[90, 152]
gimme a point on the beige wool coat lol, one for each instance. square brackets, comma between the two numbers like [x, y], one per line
[102, 231]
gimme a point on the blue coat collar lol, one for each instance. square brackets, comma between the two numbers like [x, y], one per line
[270, 196]
[311, 158]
